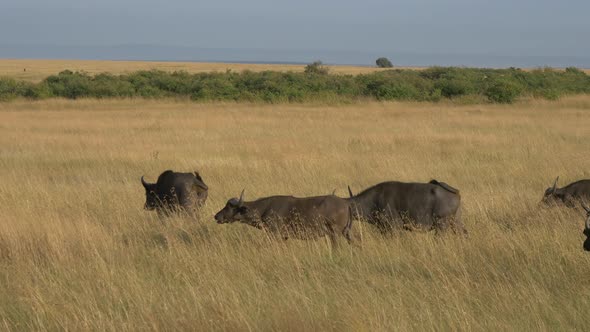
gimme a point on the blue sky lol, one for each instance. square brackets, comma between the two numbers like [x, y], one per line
[500, 27]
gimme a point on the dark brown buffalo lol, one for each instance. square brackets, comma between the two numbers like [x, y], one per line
[288, 216]
[586, 227]
[569, 194]
[174, 192]
[399, 205]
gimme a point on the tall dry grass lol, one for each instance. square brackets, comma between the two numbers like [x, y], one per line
[77, 252]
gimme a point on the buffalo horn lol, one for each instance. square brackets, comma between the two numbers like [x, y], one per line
[241, 198]
[555, 185]
[145, 184]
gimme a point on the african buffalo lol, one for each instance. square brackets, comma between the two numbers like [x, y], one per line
[398, 205]
[586, 227]
[172, 191]
[568, 194]
[289, 216]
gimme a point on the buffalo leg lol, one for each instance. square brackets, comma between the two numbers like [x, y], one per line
[333, 239]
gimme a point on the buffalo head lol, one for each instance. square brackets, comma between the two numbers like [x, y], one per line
[553, 195]
[151, 198]
[233, 211]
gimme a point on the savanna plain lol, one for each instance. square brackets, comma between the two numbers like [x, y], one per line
[78, 252]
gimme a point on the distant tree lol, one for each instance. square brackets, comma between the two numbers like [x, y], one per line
[316, 67]
[383, 63]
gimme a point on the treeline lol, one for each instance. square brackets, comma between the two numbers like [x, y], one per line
[432, 84]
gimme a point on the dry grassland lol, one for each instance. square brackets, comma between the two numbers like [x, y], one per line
[37, 70]
[77, 252]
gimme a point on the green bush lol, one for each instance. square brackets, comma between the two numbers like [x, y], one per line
[387, 90]
[503, 92]
[36, 91]
[432, 84]
[574, 70]
[550, 94]
[69, 84]
[107, 85]
[10, 89]
[316, 67]
[454, 87]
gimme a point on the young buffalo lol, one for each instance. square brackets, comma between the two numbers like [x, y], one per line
[288, 216]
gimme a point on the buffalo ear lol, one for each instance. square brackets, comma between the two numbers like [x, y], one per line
[198, 176]
[243, 210]
[201, 184]
[198, 181]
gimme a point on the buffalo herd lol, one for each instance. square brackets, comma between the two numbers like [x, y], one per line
[389, 206]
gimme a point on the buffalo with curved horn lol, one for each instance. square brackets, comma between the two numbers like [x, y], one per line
[569, 194]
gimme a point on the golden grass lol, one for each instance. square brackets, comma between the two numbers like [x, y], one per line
[77, 252]
[36, 70]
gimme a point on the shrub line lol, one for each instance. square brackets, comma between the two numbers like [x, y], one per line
[432, 84]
